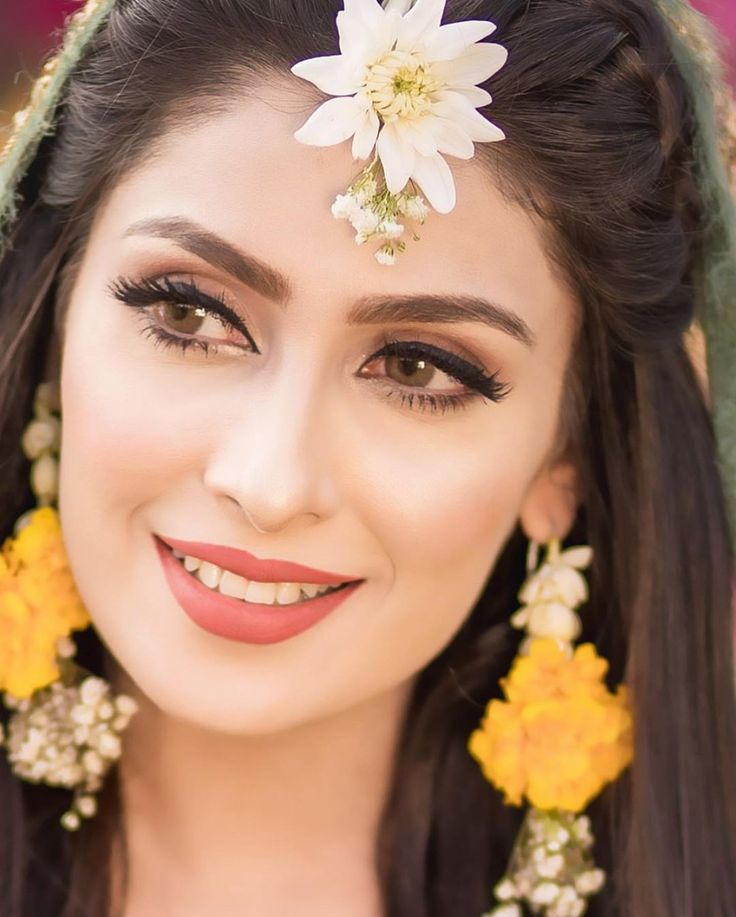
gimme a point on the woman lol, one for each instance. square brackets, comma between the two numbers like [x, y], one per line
[238, 380]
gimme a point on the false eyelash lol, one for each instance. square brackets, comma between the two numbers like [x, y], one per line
[468, 374]
[141, 295]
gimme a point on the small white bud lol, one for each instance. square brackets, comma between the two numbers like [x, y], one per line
[71, 821]
[590, 882]
[45, 477]
[87, 806]
[545, 893]
[41, 436]
[125, 705]
[551, 867]
[554, 620]
[93, 763]
[390, 229]
[385, 255]
[109, 745]
[505, 890]
[92, 690]
[506, 910]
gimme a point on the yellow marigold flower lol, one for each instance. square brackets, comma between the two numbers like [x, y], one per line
[39, 604]
[560, 735]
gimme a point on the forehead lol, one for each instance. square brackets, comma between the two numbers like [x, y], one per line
[242, 175]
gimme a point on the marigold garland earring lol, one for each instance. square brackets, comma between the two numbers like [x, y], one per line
[556, 740]
[65, 725]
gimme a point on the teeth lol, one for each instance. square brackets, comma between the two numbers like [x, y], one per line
[263, 593]
[209, 574]
[286, 593]
[238, 587]
[233, 585]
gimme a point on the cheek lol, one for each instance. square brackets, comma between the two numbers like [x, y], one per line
[122, 432]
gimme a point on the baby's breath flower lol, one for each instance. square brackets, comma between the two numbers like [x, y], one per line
[545, 893]
[588, 883]
[505, 890]
[506, 910]
[386, 255]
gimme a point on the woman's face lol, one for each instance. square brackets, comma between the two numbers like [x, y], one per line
[290, 439]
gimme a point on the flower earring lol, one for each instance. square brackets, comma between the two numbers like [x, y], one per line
[556, 739]
[65, 725]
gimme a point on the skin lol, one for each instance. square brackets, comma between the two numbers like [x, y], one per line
[252, 752]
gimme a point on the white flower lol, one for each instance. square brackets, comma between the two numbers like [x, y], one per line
[414, 208]
[366, 222]
[545, 893]
[391, 230]
[345, 207]
[551, 867]
[506, 910]
[386, 255]
[505, 890]
[408, 87]
[588, 883]
[554, 620]
[559, 579]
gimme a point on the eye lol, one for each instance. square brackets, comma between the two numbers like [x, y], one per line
[184, 316]
[418, 367]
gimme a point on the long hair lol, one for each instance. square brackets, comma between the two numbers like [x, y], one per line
[599, 150]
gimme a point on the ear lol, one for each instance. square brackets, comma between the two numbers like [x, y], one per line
[551, 502]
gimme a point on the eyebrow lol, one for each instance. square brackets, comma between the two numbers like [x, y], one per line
[424, 308]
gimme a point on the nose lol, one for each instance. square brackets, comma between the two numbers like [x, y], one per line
[274, 460]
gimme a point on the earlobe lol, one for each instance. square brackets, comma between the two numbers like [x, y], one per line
[551, 502]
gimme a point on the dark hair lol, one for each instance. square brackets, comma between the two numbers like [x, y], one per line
[599, 149]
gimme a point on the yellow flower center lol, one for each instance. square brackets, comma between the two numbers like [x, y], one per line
[399, 85]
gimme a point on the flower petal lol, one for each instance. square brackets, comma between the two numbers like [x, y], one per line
[330, 74]
[458, 109]
[399, 6]
[419, 133]
[364, 38]
[473, 66]
[369, 12]
[451, 139]
[366, 134]
[333, 122]
[419, 24]
[451, 40]
[397, 157]
[579, 556]
[434, 177]
[474, 94]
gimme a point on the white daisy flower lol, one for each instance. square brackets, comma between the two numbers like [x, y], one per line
[407, 87]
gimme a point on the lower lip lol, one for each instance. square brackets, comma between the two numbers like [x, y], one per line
[235, 619]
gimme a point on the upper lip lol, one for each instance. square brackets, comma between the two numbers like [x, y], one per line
[253, 568]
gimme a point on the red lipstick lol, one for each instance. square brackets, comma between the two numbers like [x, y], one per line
[236, 619]
[252, 568]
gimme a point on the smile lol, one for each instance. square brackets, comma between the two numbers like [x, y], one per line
[238, 587]
[260, 612]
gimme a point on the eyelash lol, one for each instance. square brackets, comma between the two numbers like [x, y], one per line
[141, 295]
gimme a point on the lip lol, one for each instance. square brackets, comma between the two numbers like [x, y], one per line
[253, 568]
[247, 622]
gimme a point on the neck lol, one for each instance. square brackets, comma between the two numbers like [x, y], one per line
[215, 820]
